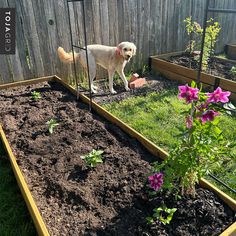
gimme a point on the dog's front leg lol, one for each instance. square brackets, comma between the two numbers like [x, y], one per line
[110, 76]
[122, 76]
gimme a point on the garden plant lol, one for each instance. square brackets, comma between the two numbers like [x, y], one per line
[93, 158]
[51, 125]
[233, 71]
[190, 160]
[35, 95]
[212, 33]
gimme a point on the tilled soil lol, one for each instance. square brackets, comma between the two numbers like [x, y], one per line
[216, 66]
[154, 84]
[110, 199]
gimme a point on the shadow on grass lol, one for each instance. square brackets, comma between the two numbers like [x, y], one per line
[14, 217]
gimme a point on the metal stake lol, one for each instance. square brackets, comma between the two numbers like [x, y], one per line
[203, 42]
[86, 50]
[73, 52]
[82, 48]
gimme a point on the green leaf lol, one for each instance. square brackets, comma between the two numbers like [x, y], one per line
[93, 158]
[150, 220]
[217, 130]
[193, 84]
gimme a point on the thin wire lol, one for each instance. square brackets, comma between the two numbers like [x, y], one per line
[203, 42]
[73, 53]
[191, 33]
[86, 47]
[221, 182]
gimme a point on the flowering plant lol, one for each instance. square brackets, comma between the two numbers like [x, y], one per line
[203, 142]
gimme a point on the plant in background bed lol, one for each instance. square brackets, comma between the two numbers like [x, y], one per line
[191, 160]
[35, 95]
[233, 71]
[51, 125]
[212, 32]
[162, 214]
[192, 28]
[93, 158]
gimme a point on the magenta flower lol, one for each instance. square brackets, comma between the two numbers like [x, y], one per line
[208, 115]
[156, 181]
[188, 93]
[189, 122]
[218, 96]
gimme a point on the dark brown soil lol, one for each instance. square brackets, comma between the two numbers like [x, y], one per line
[216, 66]
[110, 199]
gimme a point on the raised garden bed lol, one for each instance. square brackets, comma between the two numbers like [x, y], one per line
[175, 66]
[231, 51]
[108, 200]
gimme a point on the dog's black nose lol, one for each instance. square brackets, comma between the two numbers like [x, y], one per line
[128, 56]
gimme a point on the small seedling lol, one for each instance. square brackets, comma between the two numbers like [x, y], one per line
[51, 125]
[233, 71]
[93, 158]
[162, 214]
[35, 95]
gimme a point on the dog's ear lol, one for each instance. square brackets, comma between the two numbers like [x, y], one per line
[134, 50]
[120, 46]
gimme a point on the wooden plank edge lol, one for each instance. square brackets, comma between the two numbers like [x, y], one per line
[167, 55]
[225, 59]
[31, 205]
[227, 199]
[26, 82]
[230, 231]
[225, 84]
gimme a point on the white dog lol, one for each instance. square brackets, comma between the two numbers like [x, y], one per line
[113, 59]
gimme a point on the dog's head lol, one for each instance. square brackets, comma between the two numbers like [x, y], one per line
[127, 50]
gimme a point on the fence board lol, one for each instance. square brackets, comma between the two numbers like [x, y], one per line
[155, 26]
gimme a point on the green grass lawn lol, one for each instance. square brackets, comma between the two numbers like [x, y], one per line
[14, 217]
[158, 117]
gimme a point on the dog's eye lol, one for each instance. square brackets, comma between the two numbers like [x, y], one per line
[125, 49]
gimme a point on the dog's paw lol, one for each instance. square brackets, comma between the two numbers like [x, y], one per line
[113, 91]
[127, 89]
[94, 87]
[94, 91]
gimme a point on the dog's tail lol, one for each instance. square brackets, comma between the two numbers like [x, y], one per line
[64, 56]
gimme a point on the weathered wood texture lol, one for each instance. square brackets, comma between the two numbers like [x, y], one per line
[155, 26]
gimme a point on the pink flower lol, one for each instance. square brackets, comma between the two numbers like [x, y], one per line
[188, 93]
[218, 96]
[156, 181]
[208, 115]
[189, 122]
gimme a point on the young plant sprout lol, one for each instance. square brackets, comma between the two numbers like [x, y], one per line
[35, 95]
[51, 125]
[162, 214]
[233, 71]
[93, 158]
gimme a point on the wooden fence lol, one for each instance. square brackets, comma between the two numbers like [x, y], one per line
[155, 26]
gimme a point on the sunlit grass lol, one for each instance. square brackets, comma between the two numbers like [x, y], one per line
[158, 116]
